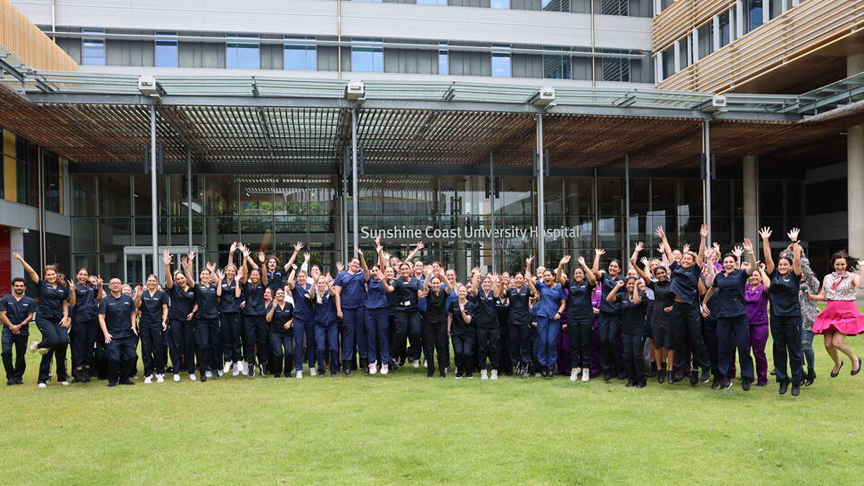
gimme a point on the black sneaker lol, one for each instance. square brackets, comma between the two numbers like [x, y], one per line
[19, 381]
[694, 377]
[11, 381]
[128, 382]
[641, 384]
[252, 371]
[622, 376]
[726, 384]
[784, 385]
[112, 383]
[705, 375]
[629, 384]
[203, 377]
[607, 376]
[334, 373]
[811, 377]
[661, 376]
[442, 375]
[796, 389]
[346, 368]
[745, 384]
[716, 384]
[321, 374]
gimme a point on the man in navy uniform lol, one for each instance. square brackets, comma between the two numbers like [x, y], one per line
[117, 320]
[16, 312]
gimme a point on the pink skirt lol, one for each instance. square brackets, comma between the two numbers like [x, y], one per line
[842, 316]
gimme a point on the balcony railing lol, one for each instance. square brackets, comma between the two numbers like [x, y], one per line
[27, 44]
[680, 18]
[788, 38]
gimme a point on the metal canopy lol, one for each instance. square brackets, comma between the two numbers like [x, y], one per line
[288, 124]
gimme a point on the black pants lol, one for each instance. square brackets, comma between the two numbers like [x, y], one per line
[686, 321]
[151, 348]
[415, 336]
[83, 337]
[487, 346]
[709, 334]
[207, 342]
[182, 346]
[19, 344]
[121, 358]
[255, 337]
[633, 362]
[463, 348]
[282, 345]
[610, 342]
[505, 363]
[580, 329]
[520, 344]
[56, 339]
[732, 333]
[786, 333]
[405, 322]
[435, 340]
[230, 331]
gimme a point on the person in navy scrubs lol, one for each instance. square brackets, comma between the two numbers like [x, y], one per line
[280, 319]
[459, 318]
[255, 336]
[180, 313]
[117, 320]
[435, 326]
[733, 329]
[206, 321]
[304, 321]
[376, 314]
[610, 318]
[634, 329]
[550, 306]
[16, 313]
[85, 325]
[485, 321]
[406, 288]
[519, 320]
[52, 319]
[350, 295]
[580, 315]
[152, 303]
[783, 282]
[230, 326]
[326, 333]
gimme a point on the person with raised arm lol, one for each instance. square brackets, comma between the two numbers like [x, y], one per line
[580, 315]
[180, 313]
[304, 321]
[459, 316]
[152, 303]
[657, 279]
[610, 318]
[435, 325]
[16, 313]
[350, 296]
[783, 282]
[519, 319]
[485, 320]
[255, 336]
[841, 316]
[230, 325]
[550, 307]
[757, 317]
[117, 320]
[280, 319]
[206, 321]
[52, 319]
[406, 288]
[376, 313]
[733, 329]
[85, 325]
[633, 328]
[326, 333]
[685, 318]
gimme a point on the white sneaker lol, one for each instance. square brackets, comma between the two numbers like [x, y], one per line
[219, 373]
[586, 375]
[160, 378]
[208, 374]
[64, 383]
[34, 346]
[236, 370]
[299, 375]
[578, 371]
[148, 379]
[244, 369]
[574, 375]
[385, 369]
[312, 372]
[226, 368]
[483, 375]
[373, 368]
[43, 385]
[176, 377]
[494, 375]
[417, 364]
[193, 377]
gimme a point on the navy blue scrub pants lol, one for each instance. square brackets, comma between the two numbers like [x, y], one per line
[685, 319]
[378, 335]
[83, 336]
[206, 330]
[407, 322]
[610, 342]
[56, 339]
[734, 332]
[282, 345]
[255, 338]
[303, 331]
[520, 344]
[435, 340]
[463, 348]
[326, 337]
[121, 358]
[548, 330]
[19, 343]
[415, 336]
[786, 333]
[354, 334]
[580, 329]
[712, 344]
[182, 346]
[487, 344]
[634, 364]
[231, 331]
[151, 348]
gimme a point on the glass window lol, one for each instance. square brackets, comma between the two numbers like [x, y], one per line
[754, 16]
[84, 195]
[93, 49]
[501, 63]
[443, 59]
[724, 29]
[166, 50]
[242, 55]
[557, 66]
[432, 2]
[705, 40]
[618, 69]
[368, 57]
[500, 4]
[374, 1]
[555, 5]
[300, 55]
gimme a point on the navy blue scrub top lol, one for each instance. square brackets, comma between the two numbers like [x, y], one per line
[254, 299]
[406, 293]
[458, 325]
[376, 298]
[685, 282]
[353, 289]
[729, 294]
[118, 315]
[280, 317]
[228, 303]
[151, 307]
[485, 314]
[17, 311]
[51, 302]
[302, 306]
[784, 294]
[607, 283]
[325, 312]
[182, 302]
[520, 310]
[86, 305]
[632, 315]
[550, 299]
[579, 299]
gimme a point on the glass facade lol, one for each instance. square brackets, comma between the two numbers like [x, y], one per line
[461, 219]
[166, 50]
[299, 55]
[242, 55]
[368, 57]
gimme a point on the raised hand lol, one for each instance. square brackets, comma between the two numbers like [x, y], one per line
[685, 248]
[190, 257]
[793, 234]
[220, 275]
[233, 247]
[659, 232]
[359, 251]
[166, 258]
[716, 248]
[644, 261]
[377, 241]
[339, 267]
[765, 232]
[211, 266]
[748, 245]
[261, 256]
[307, 256]
[639, 246]
[703, 231]
[738, 251]
[582, 261]
[761, 267]
[420, 245]
[17, 256]
[599, 251]
[565, 260]
[298, 246]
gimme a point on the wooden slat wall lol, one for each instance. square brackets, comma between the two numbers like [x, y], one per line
[680, 18]
[29, 44]
[792, 35]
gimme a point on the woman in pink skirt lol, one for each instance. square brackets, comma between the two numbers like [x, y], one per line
[841, 317]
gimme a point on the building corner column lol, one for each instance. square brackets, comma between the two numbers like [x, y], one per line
[855, 169]
[750, 191]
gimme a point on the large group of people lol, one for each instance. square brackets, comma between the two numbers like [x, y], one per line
[683, 315]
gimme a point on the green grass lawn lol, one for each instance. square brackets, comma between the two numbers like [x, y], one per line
[407, 429]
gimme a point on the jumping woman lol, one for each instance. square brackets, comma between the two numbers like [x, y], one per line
[610, 318]
[153, 305]
[304, 321]
[580, 315]
[180, 314]
[255, 337]
[280, 316]
[350, 295]
[550, 307]
[85, 325]
[459, 328]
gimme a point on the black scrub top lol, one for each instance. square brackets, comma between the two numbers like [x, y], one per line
[729, 294]
[182, 302]
[151, 307]
[784, 294]
[118, 315]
